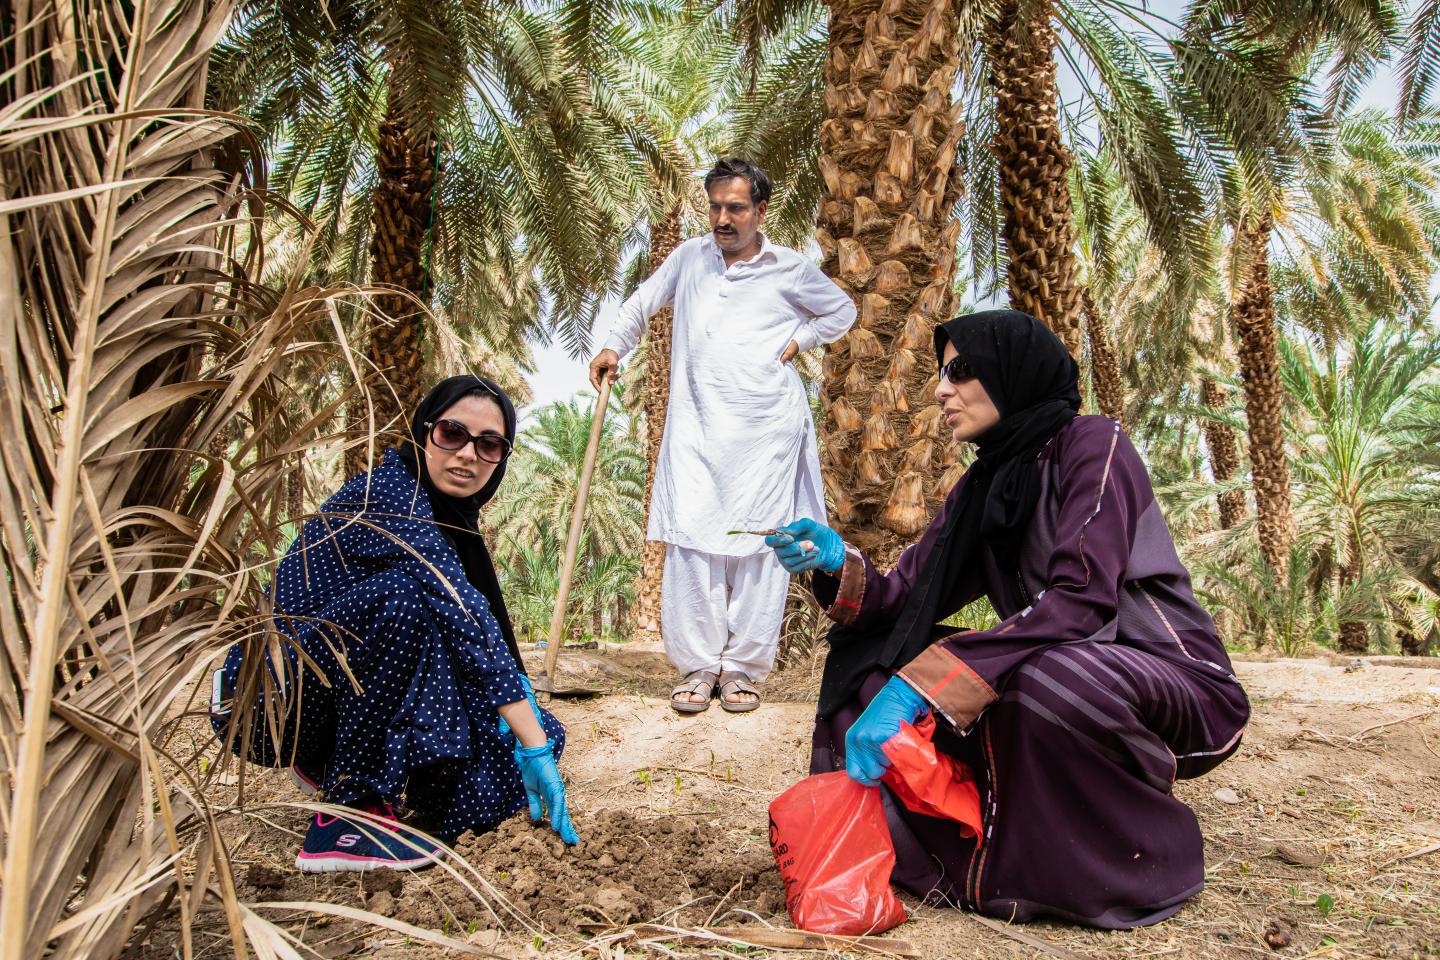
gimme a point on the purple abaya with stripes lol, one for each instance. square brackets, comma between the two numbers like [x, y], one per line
[1103, 683]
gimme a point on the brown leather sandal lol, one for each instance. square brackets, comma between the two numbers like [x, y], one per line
[733, 682]
[697, 681]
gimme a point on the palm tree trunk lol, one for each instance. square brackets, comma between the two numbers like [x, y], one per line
[664, 238]
[1260, 372]
[394, 348]
[887, 151]
[1354, 637]
[1354, 634]
[1224, 454]
[1105, 380]
[1034, 166]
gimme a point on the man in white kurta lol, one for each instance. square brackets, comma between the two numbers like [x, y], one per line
[739, 450]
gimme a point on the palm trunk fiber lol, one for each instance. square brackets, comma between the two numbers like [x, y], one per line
[1264, 397]
[664, 238]
[394, 348]
[1224, 455]
[887, 152]
[1034, 166]
[1109, 390]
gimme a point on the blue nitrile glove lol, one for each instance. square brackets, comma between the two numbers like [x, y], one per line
[827, 551]
[534, 706]
[544, 786]
[896, 703]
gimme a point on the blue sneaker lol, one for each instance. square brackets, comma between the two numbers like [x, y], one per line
[334, 844]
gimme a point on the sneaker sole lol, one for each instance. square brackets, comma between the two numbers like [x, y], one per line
[307, 786]
[217, 693]
[348, 863]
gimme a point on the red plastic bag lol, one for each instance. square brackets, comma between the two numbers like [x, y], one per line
[833, 849]
[930, 782]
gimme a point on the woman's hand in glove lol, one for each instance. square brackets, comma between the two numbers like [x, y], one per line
[806, 545]
[896, 703]
[545, 789]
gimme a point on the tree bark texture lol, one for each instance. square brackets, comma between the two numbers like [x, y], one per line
[1354, 634]
[1224, 454]
[1256, 340]
[887, 154]
[664, 238]
[1039, 229]
[1109, 390]
[1354, 637]
[401, 226]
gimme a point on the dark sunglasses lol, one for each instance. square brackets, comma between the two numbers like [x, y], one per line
[957, 370]
[451, 435]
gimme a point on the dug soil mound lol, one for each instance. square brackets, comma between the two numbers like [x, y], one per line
[626, 869]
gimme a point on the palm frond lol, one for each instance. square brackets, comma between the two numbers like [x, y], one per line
[1419, 61]
[158, 440]
[776, 123]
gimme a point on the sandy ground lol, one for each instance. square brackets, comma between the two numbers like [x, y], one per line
[1324, 830]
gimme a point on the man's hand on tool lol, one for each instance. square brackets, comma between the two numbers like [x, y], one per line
[545, 789]
[896, 703]
[606, 363]
[806, 545]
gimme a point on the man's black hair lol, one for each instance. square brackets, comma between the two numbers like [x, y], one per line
[740, 167]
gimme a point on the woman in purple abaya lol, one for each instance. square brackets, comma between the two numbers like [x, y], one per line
[1103, 683]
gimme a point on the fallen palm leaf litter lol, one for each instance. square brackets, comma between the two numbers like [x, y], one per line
[766, 937]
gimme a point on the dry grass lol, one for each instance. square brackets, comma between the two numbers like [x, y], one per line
[155, 437]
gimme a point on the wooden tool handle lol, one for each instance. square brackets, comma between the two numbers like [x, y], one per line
[572, 546]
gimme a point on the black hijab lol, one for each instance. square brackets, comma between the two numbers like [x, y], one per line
[458, 518]
[1033, 381]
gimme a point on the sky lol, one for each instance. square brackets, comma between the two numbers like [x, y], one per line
[558, 376]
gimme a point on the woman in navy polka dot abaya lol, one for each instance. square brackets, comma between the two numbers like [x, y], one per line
[411, 689]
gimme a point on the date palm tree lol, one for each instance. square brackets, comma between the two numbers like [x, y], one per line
[447, 149]
[1365, 435]
[136, 332]
[1305, 47]
[536, 501]
[896, 148]
[1350, 229]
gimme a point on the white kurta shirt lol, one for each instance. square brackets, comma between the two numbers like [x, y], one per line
[739, 450]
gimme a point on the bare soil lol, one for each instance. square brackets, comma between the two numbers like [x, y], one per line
[1323, 835]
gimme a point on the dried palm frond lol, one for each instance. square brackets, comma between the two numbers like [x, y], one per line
[154, 449]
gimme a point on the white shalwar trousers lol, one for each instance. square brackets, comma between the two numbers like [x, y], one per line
[722, 613]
